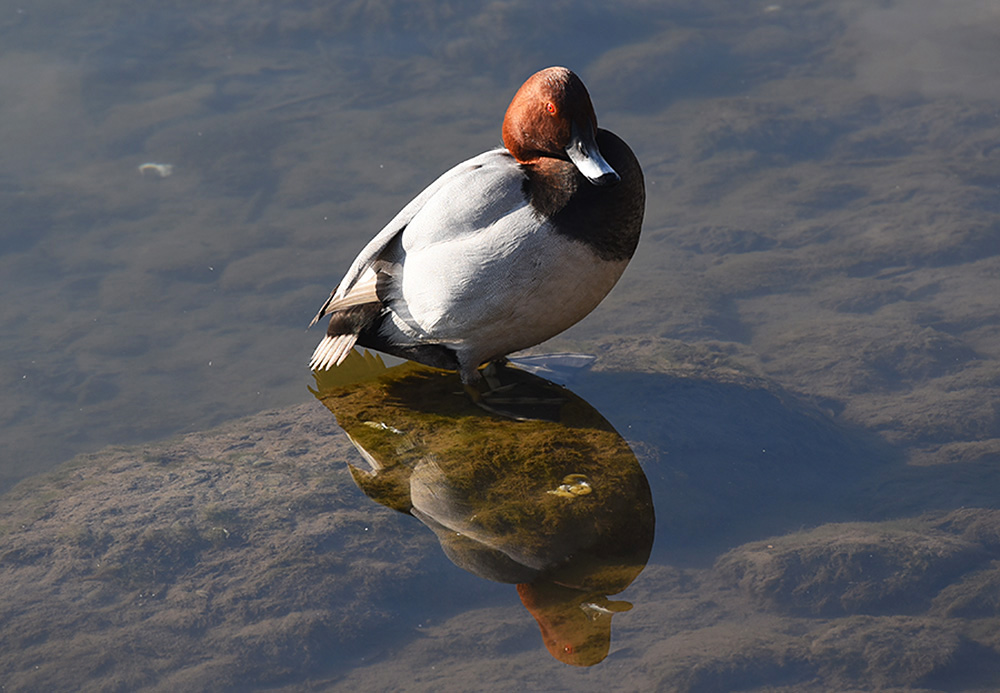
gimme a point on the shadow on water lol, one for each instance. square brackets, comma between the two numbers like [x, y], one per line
[732, 457]
[738, 457]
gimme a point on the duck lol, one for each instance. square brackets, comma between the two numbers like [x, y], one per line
[504, 250]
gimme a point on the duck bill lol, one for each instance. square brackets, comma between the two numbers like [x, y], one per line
[583, 152]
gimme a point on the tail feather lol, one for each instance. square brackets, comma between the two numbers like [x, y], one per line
[351, 314]
[332, 351]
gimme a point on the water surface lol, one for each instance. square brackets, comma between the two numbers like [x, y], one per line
[808, 333]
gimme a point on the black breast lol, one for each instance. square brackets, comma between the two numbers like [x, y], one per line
[606, 218]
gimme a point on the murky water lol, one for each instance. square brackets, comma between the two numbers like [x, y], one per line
[805, 347]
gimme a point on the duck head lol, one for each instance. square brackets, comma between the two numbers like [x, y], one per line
[551, 116]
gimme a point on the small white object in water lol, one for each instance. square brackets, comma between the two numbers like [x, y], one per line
[591, 607]
[572, 486]
[560, 368]
[379, 425]
[163, 169]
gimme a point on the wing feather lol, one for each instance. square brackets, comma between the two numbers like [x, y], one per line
[363, 291]
[377, 245]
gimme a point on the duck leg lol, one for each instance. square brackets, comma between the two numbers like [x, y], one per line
[510, 395]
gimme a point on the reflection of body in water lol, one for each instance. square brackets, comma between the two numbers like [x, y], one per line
[562, 508]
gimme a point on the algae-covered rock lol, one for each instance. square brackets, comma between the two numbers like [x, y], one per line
[220, 560]
[847, 568]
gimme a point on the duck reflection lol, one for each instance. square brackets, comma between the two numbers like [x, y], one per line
[550, 497]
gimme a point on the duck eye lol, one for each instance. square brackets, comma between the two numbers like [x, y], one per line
[551, 108]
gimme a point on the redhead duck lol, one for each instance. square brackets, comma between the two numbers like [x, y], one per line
[503, 251]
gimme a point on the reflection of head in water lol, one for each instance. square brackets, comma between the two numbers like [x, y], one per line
[562, 508]
[575, 625]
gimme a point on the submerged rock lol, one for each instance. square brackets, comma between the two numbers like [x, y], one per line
[850, 568]
[217, 561]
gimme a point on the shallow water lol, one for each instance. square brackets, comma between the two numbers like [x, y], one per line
[823, 223]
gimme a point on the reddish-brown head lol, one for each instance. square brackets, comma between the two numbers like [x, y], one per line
[551, 116]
